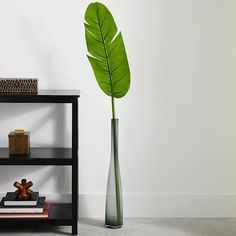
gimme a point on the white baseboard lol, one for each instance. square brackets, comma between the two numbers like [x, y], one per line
[164, 205]
[158, 205]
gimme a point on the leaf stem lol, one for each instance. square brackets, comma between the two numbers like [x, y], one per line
[113, 108]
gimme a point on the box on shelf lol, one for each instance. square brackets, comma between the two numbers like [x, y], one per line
[19, 142]
[18, 85]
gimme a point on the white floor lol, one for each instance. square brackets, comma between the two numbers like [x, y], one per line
[141, 227]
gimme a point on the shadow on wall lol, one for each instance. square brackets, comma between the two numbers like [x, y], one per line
[51, 181]
[53, 113]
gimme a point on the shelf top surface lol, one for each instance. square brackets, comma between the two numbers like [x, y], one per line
[44, 92]
[36, 155]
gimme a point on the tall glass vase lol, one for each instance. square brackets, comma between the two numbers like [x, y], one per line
[114, 204]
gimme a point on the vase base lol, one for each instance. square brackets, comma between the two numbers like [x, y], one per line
[113, 226]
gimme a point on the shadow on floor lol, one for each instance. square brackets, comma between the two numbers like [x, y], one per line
[93, 222]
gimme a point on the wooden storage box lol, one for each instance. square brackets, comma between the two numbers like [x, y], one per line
[19, 143]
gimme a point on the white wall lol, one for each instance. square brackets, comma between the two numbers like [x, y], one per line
[177, 123]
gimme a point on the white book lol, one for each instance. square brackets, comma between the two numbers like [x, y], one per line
[23, 203]
[21, 210]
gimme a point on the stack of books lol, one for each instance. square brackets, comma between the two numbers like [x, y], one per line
[34, 207]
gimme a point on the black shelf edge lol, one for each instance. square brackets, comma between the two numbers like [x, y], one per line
[43, 96]
[38, 156]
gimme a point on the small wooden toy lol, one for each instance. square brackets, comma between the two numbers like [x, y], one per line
[23, 191]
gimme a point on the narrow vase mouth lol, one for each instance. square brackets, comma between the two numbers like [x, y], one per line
[114, 119]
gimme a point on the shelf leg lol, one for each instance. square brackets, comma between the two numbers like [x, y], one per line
[75, 229]
[75, 166]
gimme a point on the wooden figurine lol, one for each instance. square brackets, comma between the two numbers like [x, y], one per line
[23, 191]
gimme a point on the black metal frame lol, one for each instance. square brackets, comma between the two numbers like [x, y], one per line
[60, 214]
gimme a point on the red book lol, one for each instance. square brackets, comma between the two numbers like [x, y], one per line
[44, 214]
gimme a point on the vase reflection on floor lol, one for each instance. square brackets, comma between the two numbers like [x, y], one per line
[114, 204]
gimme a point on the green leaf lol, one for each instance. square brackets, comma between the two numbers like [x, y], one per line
[107, 51]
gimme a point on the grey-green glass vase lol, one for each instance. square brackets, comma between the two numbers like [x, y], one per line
[114, 204]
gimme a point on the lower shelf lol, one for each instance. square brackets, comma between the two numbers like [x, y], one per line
[59, 214]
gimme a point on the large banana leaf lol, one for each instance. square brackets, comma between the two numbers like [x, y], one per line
[107, 51]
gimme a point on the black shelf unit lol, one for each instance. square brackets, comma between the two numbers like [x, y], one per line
[60, 213]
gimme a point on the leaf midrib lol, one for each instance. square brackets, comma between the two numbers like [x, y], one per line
[106, 54]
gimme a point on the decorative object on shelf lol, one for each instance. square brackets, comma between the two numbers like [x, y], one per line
[19, 85]
[24, 191]
[24, 203]
[110, 65]
[19, 142]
